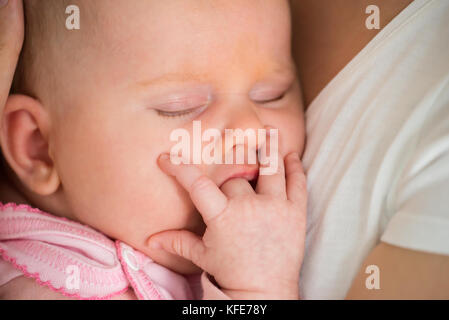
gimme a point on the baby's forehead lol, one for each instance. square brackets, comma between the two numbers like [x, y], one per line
[113, 14]
[142, 38]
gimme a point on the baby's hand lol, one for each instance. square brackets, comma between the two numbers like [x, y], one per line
[254, 241]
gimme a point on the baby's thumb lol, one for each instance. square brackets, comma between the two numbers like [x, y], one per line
[182, 243]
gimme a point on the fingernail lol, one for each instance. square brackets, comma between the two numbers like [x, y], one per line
[3, 3]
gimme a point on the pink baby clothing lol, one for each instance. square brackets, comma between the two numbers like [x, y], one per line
[80, 262]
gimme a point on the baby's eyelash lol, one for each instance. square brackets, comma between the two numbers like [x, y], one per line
[273, 100]
[280, 97]
[173, 114]
[180, 114]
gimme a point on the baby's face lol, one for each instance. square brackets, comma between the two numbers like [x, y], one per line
[138, 70]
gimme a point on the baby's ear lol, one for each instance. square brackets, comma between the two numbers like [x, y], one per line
[25, 127]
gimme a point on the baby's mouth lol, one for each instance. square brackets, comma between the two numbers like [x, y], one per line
[249, 173]
[253, 182]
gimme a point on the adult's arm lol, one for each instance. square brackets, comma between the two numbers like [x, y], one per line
[11, 40]
[404, 274]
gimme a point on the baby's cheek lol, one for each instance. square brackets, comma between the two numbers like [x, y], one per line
[145, 201]
[113, 183]
[291, 132]
[297, 133]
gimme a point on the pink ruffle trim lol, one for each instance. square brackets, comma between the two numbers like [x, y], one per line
[37, 278]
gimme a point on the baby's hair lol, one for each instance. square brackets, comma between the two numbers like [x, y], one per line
[44, 20]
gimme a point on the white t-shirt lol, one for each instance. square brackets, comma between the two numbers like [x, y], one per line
[377, 156]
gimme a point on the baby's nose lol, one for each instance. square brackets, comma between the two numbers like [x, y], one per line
[244, 134]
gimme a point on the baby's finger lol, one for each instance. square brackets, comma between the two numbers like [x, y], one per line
[11, 38]
[235, 187]
[296, 179]
[205, 194]
[182, 243]
[273, 182]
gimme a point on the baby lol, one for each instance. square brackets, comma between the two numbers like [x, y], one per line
[85, 139]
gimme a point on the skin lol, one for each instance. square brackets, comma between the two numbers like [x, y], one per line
[235, 215]
[11, 39]
[407, 263]
[88, 148]
[324, 25]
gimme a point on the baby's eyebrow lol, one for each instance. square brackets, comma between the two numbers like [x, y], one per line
[172, 77]
[286, 72]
